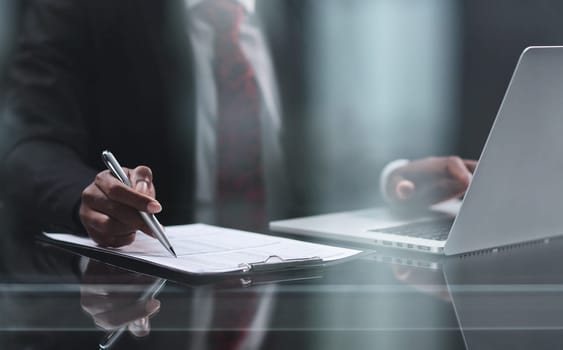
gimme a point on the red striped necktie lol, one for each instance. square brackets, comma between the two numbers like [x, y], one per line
[240, 191]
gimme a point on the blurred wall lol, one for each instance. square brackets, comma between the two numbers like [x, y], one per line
[384, 86]
[407, 79]
[493, 34]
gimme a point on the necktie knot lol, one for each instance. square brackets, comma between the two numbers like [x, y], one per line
[224, 16]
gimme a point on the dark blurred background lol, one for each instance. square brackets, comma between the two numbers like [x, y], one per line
[403, 78]
[493, 34]
[396, 79]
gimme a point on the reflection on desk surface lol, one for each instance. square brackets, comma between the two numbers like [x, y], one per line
[511, 299]
[499, 300]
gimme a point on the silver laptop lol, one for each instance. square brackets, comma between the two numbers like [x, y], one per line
[516, 194]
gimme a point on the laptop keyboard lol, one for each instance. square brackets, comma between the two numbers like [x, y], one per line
[437, 229]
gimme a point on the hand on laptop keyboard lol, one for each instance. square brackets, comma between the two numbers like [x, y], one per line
[431, 180]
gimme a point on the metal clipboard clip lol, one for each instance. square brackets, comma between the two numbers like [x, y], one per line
[276, 262]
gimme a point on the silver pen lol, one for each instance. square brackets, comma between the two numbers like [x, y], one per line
[151, 221]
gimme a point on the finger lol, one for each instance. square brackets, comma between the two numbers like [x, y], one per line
[428, 168]
[120, 241]
[459, 172]
[423, 168]
[99, 303]
[104, 240]
[120, 212]
[103, 223]
[404, 190]
[398, 188]
[114, 319]
[94, 198]
[401, 273]
[140, 328]
[105, 231]
[143, 186]
[93, 299]
[142, 179]
[119, 192]
[470, 164]
[439, 191]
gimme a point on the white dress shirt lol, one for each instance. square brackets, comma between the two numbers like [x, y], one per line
[253, 44]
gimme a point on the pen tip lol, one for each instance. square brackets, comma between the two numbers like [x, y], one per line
[173, 252]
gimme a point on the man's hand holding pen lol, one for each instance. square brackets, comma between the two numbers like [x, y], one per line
[109, 209]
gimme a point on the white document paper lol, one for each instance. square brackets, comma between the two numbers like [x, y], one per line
[205, 249]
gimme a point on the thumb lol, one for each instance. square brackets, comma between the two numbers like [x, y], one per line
[142, 186]
[141, 327]
[141, 178]
[404, 190]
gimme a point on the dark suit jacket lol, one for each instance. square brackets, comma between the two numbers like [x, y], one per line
[90, 75]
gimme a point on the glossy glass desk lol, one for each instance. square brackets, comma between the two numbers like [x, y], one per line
[512, 299]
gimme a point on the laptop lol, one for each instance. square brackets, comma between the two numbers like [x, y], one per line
[516, 194]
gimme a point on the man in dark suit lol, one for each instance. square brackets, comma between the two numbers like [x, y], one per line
[130, 76]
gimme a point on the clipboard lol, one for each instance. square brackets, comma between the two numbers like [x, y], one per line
[224, 252]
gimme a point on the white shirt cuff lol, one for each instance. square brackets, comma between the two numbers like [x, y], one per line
[384, 177]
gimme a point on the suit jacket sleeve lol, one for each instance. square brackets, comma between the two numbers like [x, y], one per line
[44, 135]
